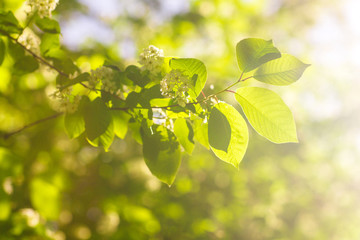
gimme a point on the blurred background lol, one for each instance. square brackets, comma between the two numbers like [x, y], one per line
[67, 189]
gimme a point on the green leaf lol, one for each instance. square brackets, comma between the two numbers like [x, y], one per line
[2, 51]
[74, 124]
[161, 152]
[48, 25]
[81, 78]
[185, 134]
[57, 53]
[253, 52]
[281, 71]
[134, 74]
[268, 114]
[219, 130]
[98, 123]
[239, 135]
[15, 50]
[196, 71]
[132, 99]
[152, 92]
[120, 120]
[49, 41]
[8, 23]
[104, 140]
[24, 65]
[201, 132]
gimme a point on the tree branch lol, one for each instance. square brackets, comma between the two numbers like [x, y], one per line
[7, 135]
[37, 57]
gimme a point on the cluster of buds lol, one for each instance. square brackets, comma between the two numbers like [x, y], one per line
[43, 7]
[174, 85]
[67, 102]
[152, 59]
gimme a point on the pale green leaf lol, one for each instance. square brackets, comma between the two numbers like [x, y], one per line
[195, 70]
[281, 71]
[185, 134]
[239, 135]
[49, 41]
[74, 124]
[201, 132]
[253, 52]
[268, 114]
[120, 121]
[161, 153]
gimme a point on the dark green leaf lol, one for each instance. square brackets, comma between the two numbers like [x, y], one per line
[134, 74]
[161, 153]
[48, 25]
[219, 130]
[15, 50]
[27, 64]
[8, 23]
[253, 52]
[97, 118]
[152, 92]
[132, 99]
[104, 140]
[239, 135]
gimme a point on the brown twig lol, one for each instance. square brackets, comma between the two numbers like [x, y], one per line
[7, 135]
[37, 57]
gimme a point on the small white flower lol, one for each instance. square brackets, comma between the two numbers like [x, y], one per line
[152, 59]
[43, 7]
[174, 85]
[30, 40]
[104, 74]
[66, 101]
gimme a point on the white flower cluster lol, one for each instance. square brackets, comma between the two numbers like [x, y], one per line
[152, 59]
[174, 85]
[67, 102]
[43, 7]
[104, 74]
[30, 40]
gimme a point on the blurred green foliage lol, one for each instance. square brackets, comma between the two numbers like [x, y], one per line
[56, 188]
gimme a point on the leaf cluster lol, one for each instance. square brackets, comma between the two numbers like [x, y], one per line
[165, 127]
